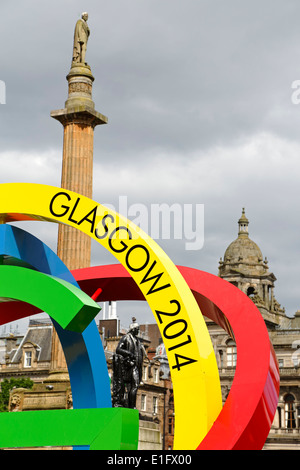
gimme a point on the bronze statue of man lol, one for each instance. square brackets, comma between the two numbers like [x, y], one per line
[81, 35]
[127, 368]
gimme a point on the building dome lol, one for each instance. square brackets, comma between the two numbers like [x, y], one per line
[245, 250]
[244, 267]
[243, 254]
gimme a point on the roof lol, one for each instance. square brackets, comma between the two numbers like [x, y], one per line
[40, 336]
[243, 253]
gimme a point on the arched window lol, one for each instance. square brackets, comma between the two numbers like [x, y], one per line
[250, 292]
[231, 353]
[289, 409]
[279, 416]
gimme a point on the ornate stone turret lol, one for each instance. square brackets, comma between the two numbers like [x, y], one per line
[243, 225]
[79, 118]
[244, 267]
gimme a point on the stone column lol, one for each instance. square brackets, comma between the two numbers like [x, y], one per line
[79, 119]
[267, 302]
[272, 298]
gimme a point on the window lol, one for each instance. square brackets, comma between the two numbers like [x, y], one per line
[145, 374]
[289, 408]
[170, 422]
[250, 292]
[221, 358]
[281, 362]
[143, 402]
[231, 354]
[279, 416]
[156, 375]
[295, 360]
[155, 405]
[28, 359]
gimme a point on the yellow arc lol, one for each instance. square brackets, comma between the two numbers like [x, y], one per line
[194, 371]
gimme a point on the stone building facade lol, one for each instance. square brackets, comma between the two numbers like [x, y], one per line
[243, 265]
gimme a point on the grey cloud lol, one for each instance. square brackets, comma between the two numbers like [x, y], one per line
[184, 84]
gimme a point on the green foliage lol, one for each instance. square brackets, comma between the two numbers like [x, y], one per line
[7, 385]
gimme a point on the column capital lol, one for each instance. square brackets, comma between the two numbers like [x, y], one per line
[80, 114]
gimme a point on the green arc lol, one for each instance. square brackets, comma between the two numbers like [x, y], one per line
[69, 306]
[98, 428]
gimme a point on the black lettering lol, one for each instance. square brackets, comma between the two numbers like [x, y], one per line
[64, 207]
[156, 277]
[124, 246]
[92, 221]
[73, 210]
[140, 268]
[159, 313]
[187, 361]
[100, 237]
[180, 332]
[189, 340]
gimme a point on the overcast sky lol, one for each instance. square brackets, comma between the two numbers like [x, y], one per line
[198, 94]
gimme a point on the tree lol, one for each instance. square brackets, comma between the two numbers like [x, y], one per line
[7, 385]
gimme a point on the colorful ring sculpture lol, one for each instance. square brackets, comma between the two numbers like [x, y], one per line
[246, 418]
[153, 277]
[192, 360]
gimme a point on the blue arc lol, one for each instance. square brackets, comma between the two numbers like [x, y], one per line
[83, 351]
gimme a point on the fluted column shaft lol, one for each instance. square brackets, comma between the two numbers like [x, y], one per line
[73, 246]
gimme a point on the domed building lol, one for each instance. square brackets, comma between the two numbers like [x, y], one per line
[244, 267]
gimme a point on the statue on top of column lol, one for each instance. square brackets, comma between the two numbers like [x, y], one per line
[81, 35]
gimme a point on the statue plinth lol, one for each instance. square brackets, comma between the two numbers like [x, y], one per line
[79, 106]
[80, 68]
[80, 81]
